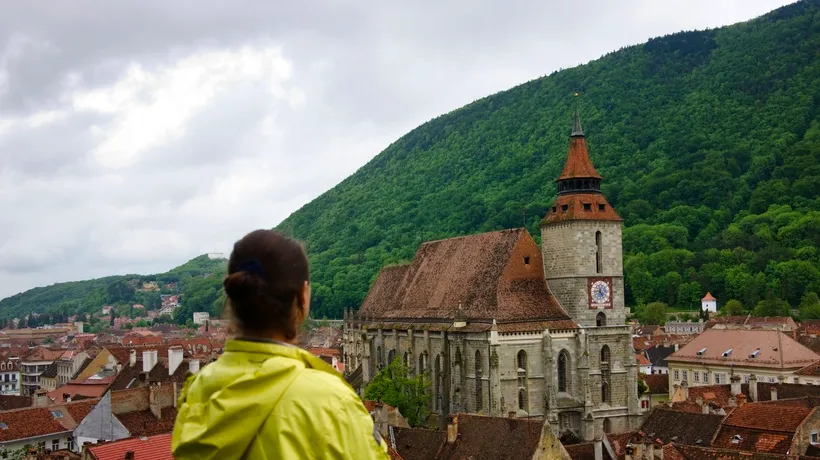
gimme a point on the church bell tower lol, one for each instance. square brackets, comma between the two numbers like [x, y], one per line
[581, 242]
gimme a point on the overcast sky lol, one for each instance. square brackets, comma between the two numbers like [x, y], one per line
[135, 135]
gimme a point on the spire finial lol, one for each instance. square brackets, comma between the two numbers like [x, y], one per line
[577, 131]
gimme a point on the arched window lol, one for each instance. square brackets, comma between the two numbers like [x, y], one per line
[408, 362]
[437, 377]
[3, 366]
[379, 358]
[522, 361]
[391, 355]
[422, 362]
[522, 399]
[563, 358]
[599, 251]
[605, 354]
[600, 319]
[605, 392]
[479, 394]
[607, 426]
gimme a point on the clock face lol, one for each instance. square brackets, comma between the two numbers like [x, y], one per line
[600, 292]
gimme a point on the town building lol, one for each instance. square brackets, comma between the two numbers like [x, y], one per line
[657, 390]
[505, 327]
[201, 317]
[49, 427]
[772, 323]
[684, 327]
[32, 364]
[9, 374]
[708, 303]
[717, 354]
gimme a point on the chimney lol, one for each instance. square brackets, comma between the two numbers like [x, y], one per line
[741, 399]
[599, 449]
[736, 385]
[174, 359]
[659, 449]
[193, 366]
[774, 393]
[146, 361]
[380, 418]
[132, 359]
[153, 401]
[704, 409]
[752, 388]
[129, 455]
[452, 429]
[684, 386]
[733, 401]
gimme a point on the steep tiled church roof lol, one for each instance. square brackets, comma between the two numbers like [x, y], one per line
[578, 164]
[584, 206]
[495, 275]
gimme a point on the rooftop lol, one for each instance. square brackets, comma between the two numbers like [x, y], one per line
[753, 348]
[681, 427]
[153, 448]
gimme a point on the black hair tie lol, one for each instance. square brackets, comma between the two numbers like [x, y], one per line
[253, 267]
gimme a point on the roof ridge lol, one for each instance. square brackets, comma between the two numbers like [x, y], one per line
[473, 235]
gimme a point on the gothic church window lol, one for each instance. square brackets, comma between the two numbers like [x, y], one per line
[563, 358]
[479, 394]
[598, 252]
[422, 362]
[438, 382]
[391, 355]
[522, 399]
[605, 392]
[523, 381]
[605, 354]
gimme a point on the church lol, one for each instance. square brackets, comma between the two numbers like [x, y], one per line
[505, 328]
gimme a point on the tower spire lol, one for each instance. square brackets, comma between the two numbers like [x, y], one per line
[577, 131]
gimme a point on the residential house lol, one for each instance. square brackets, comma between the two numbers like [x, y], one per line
[34, 363]
[201, 317]
[42, 427]
[106, 310]
[657, 390]
[152, 447]
[47, 380]
[719, 353]
[9, 374]
[772, 323]
[147, 368]
[475, 436]
[70, 363]
[644, 364]
[788, 426]
[684, 327]
[144, 411]
[657, 355]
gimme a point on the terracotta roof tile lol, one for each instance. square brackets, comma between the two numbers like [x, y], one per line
[642, 360]
[578, 164]
[681, 452]
[491, 438]
[783, 415]
[585, 451]
[476, 277]
[580, 206]
[9, 402]
[776, 349]
[41, 421]
[154, 448]
[418, 443]
[708, 296]
[144, 423]
[752, 440]
[657, 383]
[685, 427]
[618, 442]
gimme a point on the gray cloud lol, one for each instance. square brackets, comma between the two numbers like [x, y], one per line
[135, 135]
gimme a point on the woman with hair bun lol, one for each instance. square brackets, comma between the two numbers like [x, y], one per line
[265, 398]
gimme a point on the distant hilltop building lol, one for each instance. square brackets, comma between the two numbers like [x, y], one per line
[201, 317]
[709, 303]
[504, 327]
[216, 255]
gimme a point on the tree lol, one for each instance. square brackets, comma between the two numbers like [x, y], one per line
[772, 306]
[642, 387]
[810, 306]
[655, 313]
[142, 323]
[733, 308]
[408, 393]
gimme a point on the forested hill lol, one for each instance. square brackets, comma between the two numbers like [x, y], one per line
[708, 141]
[198, 281]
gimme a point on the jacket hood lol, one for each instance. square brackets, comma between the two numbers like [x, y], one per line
[224, 406]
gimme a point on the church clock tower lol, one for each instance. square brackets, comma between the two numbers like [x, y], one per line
[581, 242]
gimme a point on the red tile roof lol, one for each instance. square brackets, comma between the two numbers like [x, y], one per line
[74, 390]
[144, 423]
[642, 360]
[578, 164]
[477, 277]
[151, 448]
[581, 206]
[775, 349]
[708, 296]
[657, 383]
[40, 421]
[764, 426]
[685, 427]
[490, 438]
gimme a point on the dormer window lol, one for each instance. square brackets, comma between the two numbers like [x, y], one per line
[755, 353]
[701, 351]
[526, 260]
[587, 207]
[564, 207]
[727, 353]
[602, 207]
[736, 439]
[554, 209]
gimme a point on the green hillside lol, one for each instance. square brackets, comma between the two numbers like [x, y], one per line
[708, 142]
[199, 281]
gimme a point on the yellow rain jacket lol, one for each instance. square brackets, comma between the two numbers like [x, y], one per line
[264, 401]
